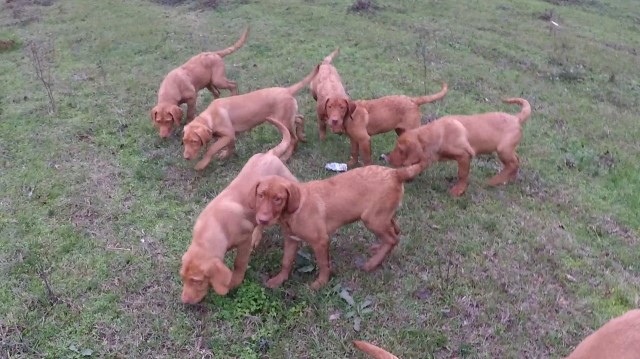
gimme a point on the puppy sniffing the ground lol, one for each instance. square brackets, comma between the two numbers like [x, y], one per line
[332, 101]
[230, 115]
[366, 118]
[182, 84]
[460, 138]
[227, 223]
[312, 211]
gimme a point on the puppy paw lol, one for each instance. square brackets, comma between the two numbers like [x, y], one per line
[457, 191]
[276, 281]
[201, 165]
[317, 284]
[352, 163]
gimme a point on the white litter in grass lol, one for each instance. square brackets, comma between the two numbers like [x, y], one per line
[336, 167]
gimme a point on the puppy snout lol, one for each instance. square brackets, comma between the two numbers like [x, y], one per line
[263, 222]
[334, 122]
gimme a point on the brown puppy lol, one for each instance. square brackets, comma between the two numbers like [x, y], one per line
[312, 211]
[373, 351]
[230, 115]
[617, 339]
[366, 118]
[460, 137]
[182, 84]
[226, 223]
[331, 97]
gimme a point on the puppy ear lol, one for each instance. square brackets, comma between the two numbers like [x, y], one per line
[203, 133]
[251, 198]
[351, 106]
[176, 113]
[219, 276]
[293, 202]
[154, 113]
[322, 110]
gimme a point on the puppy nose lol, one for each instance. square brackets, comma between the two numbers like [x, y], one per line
[264, 222]
[334, 122]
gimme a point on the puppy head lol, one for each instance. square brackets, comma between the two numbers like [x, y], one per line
[195, 136]
[198, 272]
[164, 116]
[271, 197]
[338, 111]
[407, 152]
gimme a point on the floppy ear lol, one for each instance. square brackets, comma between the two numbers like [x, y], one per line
[203, 133]
[154, 113]
[293, 202]
[322, 109]
[219, 276]
[251, 198]
[351, 106]
[176, 113]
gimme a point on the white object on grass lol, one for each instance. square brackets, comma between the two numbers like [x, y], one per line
[336, 167]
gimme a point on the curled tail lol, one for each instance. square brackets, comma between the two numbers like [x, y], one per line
[304, 82]
[408, 173]
[430, 98]
[236, 46]
[327, 60]
[373, 351]
[282, 147]
[525, 112]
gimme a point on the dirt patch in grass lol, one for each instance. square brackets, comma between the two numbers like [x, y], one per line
[12, 341]
[364, 7]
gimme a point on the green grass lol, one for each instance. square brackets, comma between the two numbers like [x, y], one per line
[97, 209]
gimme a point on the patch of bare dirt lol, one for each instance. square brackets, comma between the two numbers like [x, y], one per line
[26, 11]
[608, 225]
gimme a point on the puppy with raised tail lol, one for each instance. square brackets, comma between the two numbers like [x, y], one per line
[312, 211]
[229, 222]
[460, 138]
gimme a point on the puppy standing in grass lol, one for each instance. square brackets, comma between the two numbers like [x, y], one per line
[230, 115]
[460, 138]
[181, 85]
[312, 211]
[331, 98]
[226, 223]
[365, 118]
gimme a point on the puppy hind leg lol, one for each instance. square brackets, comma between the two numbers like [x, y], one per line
[464, 164]
[387, 232]
[510, 165]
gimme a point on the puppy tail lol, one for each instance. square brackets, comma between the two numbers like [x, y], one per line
[327, 60]
[408, 173]
[236, 46]
[373, 351]
[525, 112]
[282, 147]
[304, 82]
[430, 98]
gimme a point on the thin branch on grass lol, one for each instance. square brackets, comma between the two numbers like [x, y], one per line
[41, 55]
[423, 51]
[51, 296]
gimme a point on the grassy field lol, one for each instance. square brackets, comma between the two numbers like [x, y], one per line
[96, 210]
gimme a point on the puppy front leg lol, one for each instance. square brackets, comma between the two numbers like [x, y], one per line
[321, 250]
[191, 109]
[355, 148]
[240, 265]
[366, 151]
[288, 258]
[213, 149]
[322, 125]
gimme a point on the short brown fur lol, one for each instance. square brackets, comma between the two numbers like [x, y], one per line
[372, 117]
[460, 138]
[312, 211]
[227, 116]
[226, 223]
[331, 98]
[181, 85]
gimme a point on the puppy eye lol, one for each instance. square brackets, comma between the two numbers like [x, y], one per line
[260, 195]
[277, 200]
